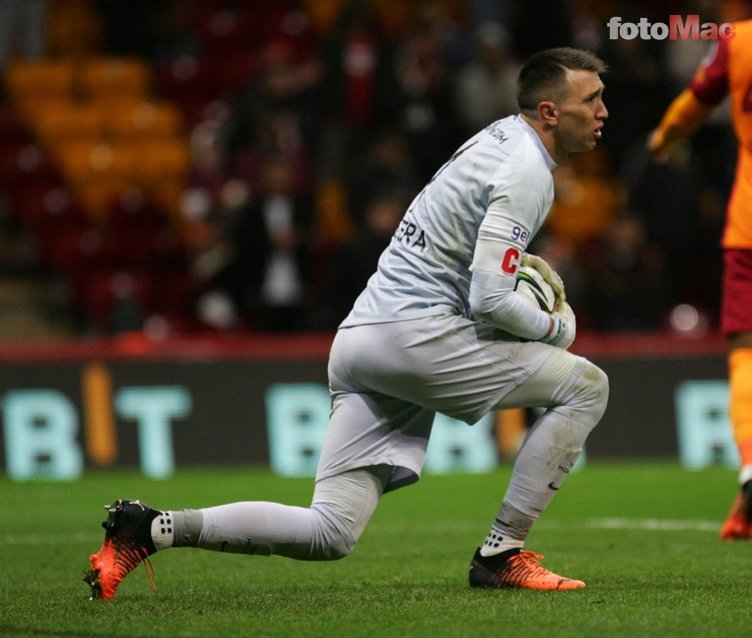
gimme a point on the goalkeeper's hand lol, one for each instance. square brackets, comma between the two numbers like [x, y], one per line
[564, 329]
[551, 277]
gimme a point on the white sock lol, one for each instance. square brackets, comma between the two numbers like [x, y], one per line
[745, 474]
[496, 542]
[163, 530]
[258, 528]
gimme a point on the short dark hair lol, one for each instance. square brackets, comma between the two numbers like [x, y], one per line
[542, 76]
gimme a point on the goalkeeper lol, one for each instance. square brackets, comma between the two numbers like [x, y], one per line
[439, 328]
[727, 70]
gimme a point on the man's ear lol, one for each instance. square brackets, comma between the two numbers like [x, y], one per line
[548, 112]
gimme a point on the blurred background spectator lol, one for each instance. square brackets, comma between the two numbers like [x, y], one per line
[23, 29]
[355, 260]
[486, 85]
[627, 287]
[224, 165]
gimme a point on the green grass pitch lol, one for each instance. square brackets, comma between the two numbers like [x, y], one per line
[643, 535]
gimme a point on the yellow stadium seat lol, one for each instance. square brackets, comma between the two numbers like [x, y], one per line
[145, 119]
[68, 120]
[168, 195]
[115, 77]
[98, 195]
[87, 160]
[40, 79]
[161, 160]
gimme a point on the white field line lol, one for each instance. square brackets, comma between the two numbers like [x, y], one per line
[654, 524]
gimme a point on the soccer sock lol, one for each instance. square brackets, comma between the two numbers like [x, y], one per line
[551, 448]
[176, 529]
[163, 530]
[508, 531]
[253, 528]
[329, 529]
[258, 527]
[740, 406]
[745, 475]
[543, 463]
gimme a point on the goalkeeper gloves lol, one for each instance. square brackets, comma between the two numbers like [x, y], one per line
[565, 327]
[550, 275]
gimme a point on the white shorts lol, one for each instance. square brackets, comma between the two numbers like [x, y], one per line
[388, 380]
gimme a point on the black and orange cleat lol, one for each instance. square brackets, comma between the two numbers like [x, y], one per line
[127, 542]
[517, 569]
[738, 524]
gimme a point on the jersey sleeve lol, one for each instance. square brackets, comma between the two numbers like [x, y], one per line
[710, 83]
[519, 200]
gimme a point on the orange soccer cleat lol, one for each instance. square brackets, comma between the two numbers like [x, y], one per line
[738, 525]
[517, 570]
[127, 542]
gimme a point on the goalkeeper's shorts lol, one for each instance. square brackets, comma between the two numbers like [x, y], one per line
[388, 380]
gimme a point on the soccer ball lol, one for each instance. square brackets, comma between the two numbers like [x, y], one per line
[530, 283]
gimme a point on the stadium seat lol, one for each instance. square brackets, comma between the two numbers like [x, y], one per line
[135, 207]
[98, 195]
[192, 84]
[67, 120]
[46, 206]
[63, 249]
[29, 165]
[49, 79]
[10, 159]
[114, 76]
[144, 119]
[12, 128]
[162, 171]
[84, 160]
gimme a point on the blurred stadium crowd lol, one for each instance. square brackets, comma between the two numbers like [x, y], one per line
[225, 165]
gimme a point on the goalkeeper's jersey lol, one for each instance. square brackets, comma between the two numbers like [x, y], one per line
[497, 186]
[728, 70]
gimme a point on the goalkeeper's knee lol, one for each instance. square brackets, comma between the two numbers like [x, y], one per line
[332, 537]
[588, 395]
[341, 508]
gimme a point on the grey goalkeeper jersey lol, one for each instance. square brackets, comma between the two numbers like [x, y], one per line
[478, 213]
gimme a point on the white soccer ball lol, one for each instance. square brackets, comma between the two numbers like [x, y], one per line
[530, 283]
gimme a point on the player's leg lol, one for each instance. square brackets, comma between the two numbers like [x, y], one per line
[464, 369]
[373, 442]
[736, 324]
[575, 393]
[738, 524]
[329, 529]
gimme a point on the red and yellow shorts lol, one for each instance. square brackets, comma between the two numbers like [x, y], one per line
[736, 306]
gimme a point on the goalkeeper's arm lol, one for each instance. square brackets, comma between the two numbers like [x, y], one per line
[494, 300]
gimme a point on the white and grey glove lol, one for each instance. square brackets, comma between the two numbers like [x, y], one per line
[565, 327]
[551, 277]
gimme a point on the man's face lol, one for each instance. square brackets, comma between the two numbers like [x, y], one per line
[581, 112]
